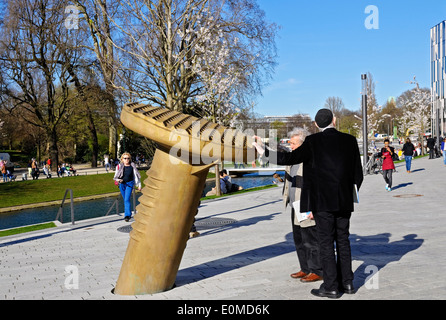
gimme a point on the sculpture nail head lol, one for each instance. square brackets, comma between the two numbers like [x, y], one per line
[193, 140]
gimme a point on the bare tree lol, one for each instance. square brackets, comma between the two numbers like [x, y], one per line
[335, 104]
[95, 21]
[30, 61]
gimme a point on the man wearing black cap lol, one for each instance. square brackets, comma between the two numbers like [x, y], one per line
[331, 169]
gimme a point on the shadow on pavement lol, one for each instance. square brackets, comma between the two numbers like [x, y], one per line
[238, 224]
[401, 185]
[239, 260]
[374, 251]
[377, 251]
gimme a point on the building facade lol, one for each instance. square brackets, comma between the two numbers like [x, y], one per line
[281, 124]
[438, 75]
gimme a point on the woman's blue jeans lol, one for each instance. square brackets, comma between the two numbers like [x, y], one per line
[126, 191]
[408, 162]
[444, 157]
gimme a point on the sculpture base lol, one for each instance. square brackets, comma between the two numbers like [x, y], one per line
[160, 232]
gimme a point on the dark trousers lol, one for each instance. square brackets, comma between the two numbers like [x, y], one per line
[431, 153]
[307, 248]
[333, 227]
[387, 174]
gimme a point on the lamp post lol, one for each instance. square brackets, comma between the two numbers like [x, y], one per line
[364, 120]
[438, 123]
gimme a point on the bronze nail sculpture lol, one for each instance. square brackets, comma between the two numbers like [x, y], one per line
[188, 148]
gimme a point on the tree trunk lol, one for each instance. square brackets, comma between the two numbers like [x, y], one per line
[53, 150]
[94, 138]
[217, 181]
[112, 140]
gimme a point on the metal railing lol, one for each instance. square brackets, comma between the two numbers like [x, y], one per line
[60, 212]
[115, 204]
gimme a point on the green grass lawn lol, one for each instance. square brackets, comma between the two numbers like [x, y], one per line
[42, 226]
[241, 191]
[44, 190]
[417, 157]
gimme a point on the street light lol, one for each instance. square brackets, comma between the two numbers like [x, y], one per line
[437, 123]
[364, 120]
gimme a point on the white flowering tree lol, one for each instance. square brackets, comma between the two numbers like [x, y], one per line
[186, 52]
[219, 75]
[415, 105]
[373, 110]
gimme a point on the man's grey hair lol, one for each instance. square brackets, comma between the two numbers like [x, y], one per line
[302, 133]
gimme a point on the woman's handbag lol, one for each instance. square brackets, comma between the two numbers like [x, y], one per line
[117, 182]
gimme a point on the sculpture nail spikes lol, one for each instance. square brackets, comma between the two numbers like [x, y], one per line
[188, 147]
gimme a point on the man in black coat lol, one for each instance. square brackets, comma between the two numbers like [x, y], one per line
[431, 146]
[331, 169]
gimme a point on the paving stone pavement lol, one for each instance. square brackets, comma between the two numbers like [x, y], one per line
[397, 240]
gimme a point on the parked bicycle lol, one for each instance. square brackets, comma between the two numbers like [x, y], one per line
[374, 165]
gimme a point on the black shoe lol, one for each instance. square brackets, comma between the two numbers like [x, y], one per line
[127, 219]
[347, 288]
[321, 292]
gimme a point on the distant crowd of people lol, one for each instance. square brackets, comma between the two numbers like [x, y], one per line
[38, 168]
[387, 155]
[35, 169]
[64, 169]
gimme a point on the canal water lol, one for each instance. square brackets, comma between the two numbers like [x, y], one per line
[99, 207]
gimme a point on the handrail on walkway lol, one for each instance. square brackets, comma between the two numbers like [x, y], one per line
[115, 204]
[60, 212]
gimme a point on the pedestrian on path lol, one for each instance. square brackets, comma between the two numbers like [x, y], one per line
[34, 169]
[106, 162]
[388, 166]
[431, 146]
[408, 151]
[443, 150]
[128, 177]
[331, 169]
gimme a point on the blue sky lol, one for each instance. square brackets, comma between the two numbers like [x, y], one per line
[324, 47]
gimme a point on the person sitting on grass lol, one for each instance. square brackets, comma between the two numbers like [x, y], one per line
[230, 187]
[72, 170]
[46, 171]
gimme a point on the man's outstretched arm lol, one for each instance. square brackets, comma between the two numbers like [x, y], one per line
[281, 158]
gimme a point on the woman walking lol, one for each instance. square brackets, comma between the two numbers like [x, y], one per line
[443, 150]
[128, 177]
[408, 151]
[388, 166]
